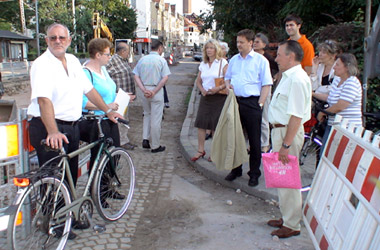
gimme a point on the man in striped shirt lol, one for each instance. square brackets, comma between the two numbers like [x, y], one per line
[120, 71]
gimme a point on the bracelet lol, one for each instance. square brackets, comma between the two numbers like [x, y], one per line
[108, 111]
[285, 145]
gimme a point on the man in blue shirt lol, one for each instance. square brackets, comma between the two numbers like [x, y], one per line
[250, 77]
[151, 74]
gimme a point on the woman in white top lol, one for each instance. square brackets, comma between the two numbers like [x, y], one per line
[345, 97]
[211, 103]
[322, 72]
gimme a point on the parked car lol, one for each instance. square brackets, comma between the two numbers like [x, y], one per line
[197, 56]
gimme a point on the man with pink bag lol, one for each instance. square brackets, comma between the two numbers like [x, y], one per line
[289, 109]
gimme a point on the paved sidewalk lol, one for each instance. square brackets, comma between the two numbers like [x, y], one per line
[189, 143]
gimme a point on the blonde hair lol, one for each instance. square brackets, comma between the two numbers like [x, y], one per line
[217, 47]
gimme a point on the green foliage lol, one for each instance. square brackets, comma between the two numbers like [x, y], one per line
[120, 19]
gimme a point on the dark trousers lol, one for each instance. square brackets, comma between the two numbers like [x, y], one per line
[250, 117]
[166, 98]
[89, 133]
[37, 132]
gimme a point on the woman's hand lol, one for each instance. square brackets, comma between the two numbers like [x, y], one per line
[321, 117]
[213, 91]
[114, 106]
[204, 92]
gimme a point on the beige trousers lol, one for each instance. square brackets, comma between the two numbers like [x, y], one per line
[290, 199]
[153, 110]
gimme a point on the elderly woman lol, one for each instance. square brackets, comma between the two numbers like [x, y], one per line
[345, 96]
[211, 103]
[225, 49]
[322, 72]
[259, 45]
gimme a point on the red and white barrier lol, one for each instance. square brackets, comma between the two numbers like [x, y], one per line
[171, 59]
[342, 210]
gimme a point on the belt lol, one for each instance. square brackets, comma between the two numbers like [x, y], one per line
[278, 125]
[248, 97]
[73, 123]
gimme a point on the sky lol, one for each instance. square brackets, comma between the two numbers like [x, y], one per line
[197, 5]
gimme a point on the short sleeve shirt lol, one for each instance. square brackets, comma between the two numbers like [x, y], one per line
[208, 74]
[292, 97]
[351, 92]
[65, 90]
[151, 69]
[308, 52]
[249, 74]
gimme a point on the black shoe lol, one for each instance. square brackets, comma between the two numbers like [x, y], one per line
[232, 176]
[208, 136]
[80, 225]
[167, 105]
[118, 196]
[128, 146]
[159, 149]
[105, 204]
[59, 231]
[253, 181]
[145, 144]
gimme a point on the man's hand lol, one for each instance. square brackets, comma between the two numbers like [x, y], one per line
[113, 115]
[54, 140]
[131, 96]
[148, 93]
[283, 155]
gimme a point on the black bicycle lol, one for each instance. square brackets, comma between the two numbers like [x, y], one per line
[47, 202]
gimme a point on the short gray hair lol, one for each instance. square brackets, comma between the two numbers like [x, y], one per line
[51, 26]
[225, 45]
[349, 61]
[263, 38]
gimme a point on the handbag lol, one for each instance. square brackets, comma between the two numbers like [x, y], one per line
[278, 175]
[220, 81]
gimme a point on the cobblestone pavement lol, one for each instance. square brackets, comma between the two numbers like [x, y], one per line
[176, 207]
[153, 171]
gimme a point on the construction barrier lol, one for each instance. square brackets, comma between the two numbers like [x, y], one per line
[171, 59]
[342, 209]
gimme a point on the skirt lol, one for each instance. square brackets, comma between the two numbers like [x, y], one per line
[209, 111]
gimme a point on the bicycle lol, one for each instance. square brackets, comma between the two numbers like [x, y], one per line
[47, 202]
[313, 140]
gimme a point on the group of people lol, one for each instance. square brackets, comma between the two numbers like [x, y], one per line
[63, 90]
[296, 75]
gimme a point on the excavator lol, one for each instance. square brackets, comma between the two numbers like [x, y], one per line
[100, 28]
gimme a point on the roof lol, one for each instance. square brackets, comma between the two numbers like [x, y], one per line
[12, 35]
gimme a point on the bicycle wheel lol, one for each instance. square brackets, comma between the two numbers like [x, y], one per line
[310, 148]
[113, 186]
[32, 226]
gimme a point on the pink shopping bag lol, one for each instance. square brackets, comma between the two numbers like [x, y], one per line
[278, 175]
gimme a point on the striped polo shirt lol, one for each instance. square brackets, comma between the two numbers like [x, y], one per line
[351, 92]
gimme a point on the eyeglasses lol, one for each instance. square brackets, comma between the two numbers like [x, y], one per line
[54, 38]
[106, 54]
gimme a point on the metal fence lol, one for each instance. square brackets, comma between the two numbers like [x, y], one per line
[11, 70]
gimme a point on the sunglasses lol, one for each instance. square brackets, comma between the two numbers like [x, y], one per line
[54, 38]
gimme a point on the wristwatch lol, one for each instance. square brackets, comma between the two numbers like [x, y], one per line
[285, 145]
[108, 111]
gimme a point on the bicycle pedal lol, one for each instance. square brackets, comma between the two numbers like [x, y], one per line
[99, 228]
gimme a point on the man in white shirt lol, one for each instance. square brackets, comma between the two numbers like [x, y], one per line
[249, 75]
[289, 109]
[58, 83]
[151, 74]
